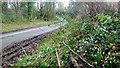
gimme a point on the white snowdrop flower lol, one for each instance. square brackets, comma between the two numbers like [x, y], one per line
[85, 41]
[101, 28]
[95, 41]
[47, 48]
[104, 30]
[92, 39]
[114, 60]
[39, 55]
[20, 59]
[109, 53]
[95, 55]
[103, 52]
[62, 62]
[95, 47]
[110, 61]
[81, 48]
[66, 51]
[104, 27]
[95, 62]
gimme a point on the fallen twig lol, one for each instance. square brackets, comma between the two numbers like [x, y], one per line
[24, 51]
[58, 58]
[77, 55]
[84, 48]
[46, 59]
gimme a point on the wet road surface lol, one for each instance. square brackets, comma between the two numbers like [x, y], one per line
[9, 38]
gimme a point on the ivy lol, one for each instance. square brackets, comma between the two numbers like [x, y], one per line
[103, 52]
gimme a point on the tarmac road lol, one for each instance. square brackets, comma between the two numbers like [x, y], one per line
[12, 37]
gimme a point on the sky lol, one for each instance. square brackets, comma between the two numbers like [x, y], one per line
[66, 2]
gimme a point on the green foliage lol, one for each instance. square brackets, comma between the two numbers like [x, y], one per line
[102, 35]
[104, 51]
[105, 19]
[0, 17]
[27, 10]
[54, 19]
[9, 17]
[30, 9]
[47, 11]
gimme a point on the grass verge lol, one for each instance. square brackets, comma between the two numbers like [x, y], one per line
[45, 55]
[22, 25]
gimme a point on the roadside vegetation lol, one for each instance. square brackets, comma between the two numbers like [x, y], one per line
[90, 39]
[84, 44]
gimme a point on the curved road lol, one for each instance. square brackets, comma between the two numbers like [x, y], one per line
[18, 36]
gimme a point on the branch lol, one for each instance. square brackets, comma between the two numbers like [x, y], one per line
[77, 55]
[46, 58]
[58, 58]
[24, 51]
[84, 48]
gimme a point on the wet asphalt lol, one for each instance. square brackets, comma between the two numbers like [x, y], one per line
[13, 37]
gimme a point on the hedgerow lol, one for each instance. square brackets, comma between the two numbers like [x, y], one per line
[87, 43]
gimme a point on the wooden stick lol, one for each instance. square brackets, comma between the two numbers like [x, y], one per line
[46, 58]
[24, 51]
[78, 55]
[58, 58]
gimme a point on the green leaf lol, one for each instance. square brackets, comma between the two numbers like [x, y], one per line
[115, 20]
[58, 45]
[117, 48]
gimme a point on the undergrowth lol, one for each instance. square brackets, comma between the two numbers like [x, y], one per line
[100, 37]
